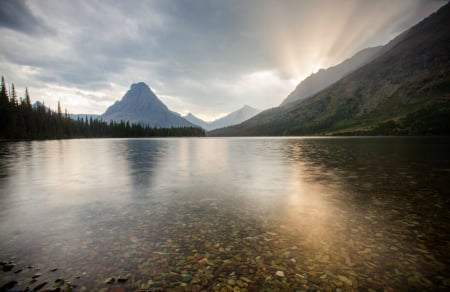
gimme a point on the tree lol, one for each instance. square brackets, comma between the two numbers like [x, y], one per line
[14, 101]
[4, 109]
[27, 98]
[22, 121]
[59, 109]
[3, 93]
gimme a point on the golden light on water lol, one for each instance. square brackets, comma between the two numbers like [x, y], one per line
[318, 211]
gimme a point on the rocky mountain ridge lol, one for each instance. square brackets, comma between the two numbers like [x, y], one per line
[141, 105]
[244, 113]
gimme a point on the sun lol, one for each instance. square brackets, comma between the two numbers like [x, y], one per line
[295, 81]
[316, 67]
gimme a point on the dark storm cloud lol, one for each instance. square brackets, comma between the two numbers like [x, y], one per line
[15, 15]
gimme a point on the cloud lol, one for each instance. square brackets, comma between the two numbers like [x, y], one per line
[16, 15]
[206, 56]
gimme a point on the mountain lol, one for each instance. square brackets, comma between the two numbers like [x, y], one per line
[141, 105]
[325, 77]
[233, 118]
[38, 104]
[317, 82]
[197, 121]
[403, 91]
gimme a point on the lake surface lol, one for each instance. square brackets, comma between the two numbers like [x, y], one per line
[226, 214]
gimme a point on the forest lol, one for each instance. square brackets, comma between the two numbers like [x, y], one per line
[21, 120]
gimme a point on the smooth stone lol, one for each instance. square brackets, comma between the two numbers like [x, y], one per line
[185, 277]
[279, 273]
[345, 280]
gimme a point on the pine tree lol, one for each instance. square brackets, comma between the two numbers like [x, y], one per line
[59, 109]
[4, 109]
[14, 101]
[22, 121]
[30, 117]
[3, 93]
[27, 98]
[12, 114]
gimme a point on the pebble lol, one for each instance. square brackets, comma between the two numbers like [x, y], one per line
[345, 280]
[279, 273]
[109, 280]
[39, 287]
[185, 277]
[122, 279]
[225, 249]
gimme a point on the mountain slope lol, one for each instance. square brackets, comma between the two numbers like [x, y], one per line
[403, 91]
[141, 105]
[244, 113]
[325, 77]
[233, 118]
[197, 121]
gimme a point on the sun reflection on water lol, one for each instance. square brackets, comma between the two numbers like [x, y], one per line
[325, 213]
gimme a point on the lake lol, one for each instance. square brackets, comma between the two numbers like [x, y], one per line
[226, 214]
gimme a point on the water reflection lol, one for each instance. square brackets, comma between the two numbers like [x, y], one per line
[143, 158]
[327, 213]
[388, 197]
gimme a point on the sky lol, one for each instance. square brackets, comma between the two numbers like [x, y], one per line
[208, 57]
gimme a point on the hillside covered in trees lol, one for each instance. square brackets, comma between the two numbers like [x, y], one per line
[19, 119]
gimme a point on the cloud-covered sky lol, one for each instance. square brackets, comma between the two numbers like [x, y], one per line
[208, 57]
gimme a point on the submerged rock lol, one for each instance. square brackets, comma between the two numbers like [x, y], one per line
[110, 280]
[122, 279]
[8, 286]
[279, 273]
[18, 271]
[39, 287]
[8, 267]
[185, 277]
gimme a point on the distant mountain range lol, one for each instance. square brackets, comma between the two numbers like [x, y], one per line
[403, 90]
[141, 105]
[233, 118]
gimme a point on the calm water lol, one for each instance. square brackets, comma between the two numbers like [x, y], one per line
[227, 214]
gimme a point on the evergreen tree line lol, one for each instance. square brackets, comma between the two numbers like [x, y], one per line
[19, 119]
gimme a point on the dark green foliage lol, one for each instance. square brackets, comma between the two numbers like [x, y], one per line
[431, 120]
[19, 120]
